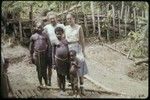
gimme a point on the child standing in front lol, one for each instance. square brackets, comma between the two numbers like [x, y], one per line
[61, 58]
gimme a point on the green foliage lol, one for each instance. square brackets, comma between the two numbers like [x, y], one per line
[140, 39]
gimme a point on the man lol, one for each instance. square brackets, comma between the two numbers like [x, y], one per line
[39, 48]
[50, 30]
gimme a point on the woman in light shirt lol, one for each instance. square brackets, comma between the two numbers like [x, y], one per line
[75, 37]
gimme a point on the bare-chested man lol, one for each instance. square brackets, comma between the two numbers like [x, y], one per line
[39, 48]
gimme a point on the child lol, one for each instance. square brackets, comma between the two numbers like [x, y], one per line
[61, 58]
[74, 72]
[39, 46]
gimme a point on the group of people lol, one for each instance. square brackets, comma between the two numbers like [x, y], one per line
[59, 47]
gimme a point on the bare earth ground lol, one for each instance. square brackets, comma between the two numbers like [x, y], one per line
[105, 66]
[116, 72]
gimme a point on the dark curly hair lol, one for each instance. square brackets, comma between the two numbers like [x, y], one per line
[73, 51]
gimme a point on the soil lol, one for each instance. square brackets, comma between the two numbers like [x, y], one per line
[22, 73]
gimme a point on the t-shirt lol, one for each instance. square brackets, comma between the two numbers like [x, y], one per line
[50, 30]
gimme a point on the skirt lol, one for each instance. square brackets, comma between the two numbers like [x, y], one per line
[83, 70]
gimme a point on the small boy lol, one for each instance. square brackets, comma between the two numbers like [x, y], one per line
[61, 58]
[74, 72]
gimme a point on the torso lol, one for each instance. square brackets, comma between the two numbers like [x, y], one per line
[51, 32]
[72, 33]
[74, 68]
[62, 50]
[40, 42]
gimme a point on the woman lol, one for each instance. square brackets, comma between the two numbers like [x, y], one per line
[75, 37]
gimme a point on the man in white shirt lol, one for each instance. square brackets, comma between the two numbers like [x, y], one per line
[50, 30]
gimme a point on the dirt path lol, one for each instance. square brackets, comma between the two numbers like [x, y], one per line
[23, 75]
[111, 68]
[105, 67]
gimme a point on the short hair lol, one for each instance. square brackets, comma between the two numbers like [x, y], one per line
[51, 13]
[73, 51]
[72, 14]
[59, 29]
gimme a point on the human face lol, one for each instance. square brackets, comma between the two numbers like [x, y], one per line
[70, 19]
[59, 35]
[39, 27]
[52, 19]
[72, 56]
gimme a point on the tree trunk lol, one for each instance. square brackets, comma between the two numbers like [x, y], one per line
[85, 20]
[31, 12]
[134, 19]
[99, 30]
[113, 15]
[14, 27]
[62, 9]
[20, 31]
[77, 18]
[122, 9]
[31, 17]
[142, 14]
[113, 9]
[119, 22]
[93, 18]
[125, 20]
[108, 39]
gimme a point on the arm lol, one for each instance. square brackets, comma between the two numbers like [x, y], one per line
[81, 40]
[77, 62]
[49, 46]
[31, 48]
[53, 54]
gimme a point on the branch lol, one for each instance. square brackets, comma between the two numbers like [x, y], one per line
[72, 8]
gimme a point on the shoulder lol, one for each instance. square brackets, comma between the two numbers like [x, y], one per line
[47, 26]
[67, 26]
[44, 34]
[79, 26]
[77, 60]
[65, 41]
[33, 36]
[61, 25]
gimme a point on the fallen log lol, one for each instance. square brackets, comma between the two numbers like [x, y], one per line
[141, 61]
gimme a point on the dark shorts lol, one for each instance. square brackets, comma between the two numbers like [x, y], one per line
[49, 62]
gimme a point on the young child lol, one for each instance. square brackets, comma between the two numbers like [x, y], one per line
[74, 73]
[61, 58]
[39, 46]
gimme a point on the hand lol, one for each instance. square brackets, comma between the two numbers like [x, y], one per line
[73, 63]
